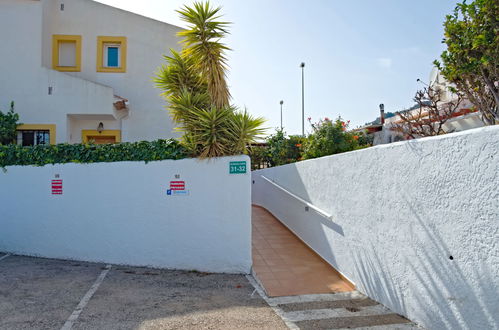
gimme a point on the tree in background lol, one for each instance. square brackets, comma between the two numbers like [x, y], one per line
[194, 84]
[284, 149]
[471, 61]
[8, 125]
[429, 118]
[329, 137]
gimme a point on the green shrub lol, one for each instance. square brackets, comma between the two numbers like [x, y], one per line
[90, 153]
[284, 150]
[329, 138]
[259, 155]
[8, 125]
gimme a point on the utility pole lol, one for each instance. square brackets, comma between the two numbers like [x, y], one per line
[302, 65]
[281, 112]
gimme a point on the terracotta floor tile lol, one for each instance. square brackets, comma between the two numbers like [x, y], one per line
[285, 265]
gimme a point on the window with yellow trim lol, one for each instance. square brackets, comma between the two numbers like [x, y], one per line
[35, 134]
[111, 54]
[66, 53]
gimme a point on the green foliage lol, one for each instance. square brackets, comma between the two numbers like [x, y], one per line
[193, 83]
[471, 60]
[90, 153]
[202, 44]
[277, 148]
[328, 138]
[8, 125]
[284, 150]
[179, 75]
[259, 155]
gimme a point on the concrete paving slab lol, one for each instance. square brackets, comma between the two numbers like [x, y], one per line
[38, 293]
[141, 298]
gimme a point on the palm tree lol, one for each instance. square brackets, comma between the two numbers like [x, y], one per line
[202, 43]
[194, 83]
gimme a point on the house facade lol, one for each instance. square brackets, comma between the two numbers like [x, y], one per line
[78, 70]
[466, 117]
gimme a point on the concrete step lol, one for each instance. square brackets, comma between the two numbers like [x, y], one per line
[345, 310]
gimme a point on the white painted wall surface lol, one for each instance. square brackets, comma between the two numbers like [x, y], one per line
[24, 81]
[26, 29]
[399, 211]
[120, 213]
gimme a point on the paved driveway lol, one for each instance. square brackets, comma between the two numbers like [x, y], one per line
[38, 293]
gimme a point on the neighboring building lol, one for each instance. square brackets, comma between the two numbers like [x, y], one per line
[79, 70]
[465, 118]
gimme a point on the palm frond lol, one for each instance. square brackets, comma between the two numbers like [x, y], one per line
[178, 75]
[247, 130]
[202, 44]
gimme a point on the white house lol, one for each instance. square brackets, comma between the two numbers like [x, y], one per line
[79, 70]
[466, 117]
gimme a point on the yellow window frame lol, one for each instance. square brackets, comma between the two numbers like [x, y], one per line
[86, 133]
[57, 39]
[40, 127]
[101, 41]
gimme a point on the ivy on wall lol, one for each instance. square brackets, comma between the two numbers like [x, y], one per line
[90, 153]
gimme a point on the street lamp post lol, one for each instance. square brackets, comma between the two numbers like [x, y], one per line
[281, 112]
[302, 65]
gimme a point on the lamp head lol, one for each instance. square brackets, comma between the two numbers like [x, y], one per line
[302, 65]
[281, 102]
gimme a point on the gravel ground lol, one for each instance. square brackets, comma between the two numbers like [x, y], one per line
[38, 293]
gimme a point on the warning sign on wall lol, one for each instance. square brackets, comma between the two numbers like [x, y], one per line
[57, 187]
[177, 188]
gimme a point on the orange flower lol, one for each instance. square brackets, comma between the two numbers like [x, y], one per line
[355, 137]
[298, 145]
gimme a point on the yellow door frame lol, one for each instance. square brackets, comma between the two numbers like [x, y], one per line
[86, 133]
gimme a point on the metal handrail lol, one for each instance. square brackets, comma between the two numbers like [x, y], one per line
[310, 205]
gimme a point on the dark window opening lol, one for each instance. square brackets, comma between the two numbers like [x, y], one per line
[32, 138]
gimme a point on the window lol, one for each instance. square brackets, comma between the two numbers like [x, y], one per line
[111, 54]
[32, 134]
[66, 53]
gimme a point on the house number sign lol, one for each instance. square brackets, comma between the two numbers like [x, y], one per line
[237, 167]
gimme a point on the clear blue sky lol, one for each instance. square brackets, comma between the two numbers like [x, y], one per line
[357, 53]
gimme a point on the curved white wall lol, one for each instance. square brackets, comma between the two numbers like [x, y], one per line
[121, 213]
[399, 211]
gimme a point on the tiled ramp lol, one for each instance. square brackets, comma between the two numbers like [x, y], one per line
[285, 265]
[305, 291]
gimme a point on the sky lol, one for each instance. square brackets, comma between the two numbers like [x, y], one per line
[357, 54]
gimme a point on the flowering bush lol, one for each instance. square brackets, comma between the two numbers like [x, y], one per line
[329, 137]
[284, 150]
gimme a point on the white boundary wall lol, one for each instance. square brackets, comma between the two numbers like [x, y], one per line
[121, 213]
[398, 212]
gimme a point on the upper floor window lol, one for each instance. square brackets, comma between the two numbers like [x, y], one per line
[66, 53]
[111, 54]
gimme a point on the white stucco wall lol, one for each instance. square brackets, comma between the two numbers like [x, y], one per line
[121, 213]
[24, 80]
[399, 211]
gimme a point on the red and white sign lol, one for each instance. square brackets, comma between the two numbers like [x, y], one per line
[56, 187]
[177, 185]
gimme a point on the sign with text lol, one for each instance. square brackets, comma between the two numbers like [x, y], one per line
[56, 187]
[177, 188]
[237, 167]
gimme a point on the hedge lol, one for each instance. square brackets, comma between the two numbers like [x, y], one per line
[90, 153]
